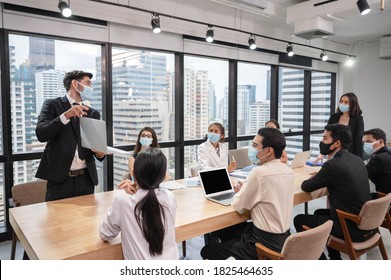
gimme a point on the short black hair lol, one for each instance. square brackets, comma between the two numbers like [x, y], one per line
[275, 122]
[340, 132]
[377, 134]
[273, 138]
[74, 75]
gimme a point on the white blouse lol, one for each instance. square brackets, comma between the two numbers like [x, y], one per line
[208, 157]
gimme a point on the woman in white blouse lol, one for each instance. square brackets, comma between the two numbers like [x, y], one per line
[143, 213]
[213, 152]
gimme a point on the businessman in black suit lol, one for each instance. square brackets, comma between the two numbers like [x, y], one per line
[346, 179]
[379, 165]
[68, 167]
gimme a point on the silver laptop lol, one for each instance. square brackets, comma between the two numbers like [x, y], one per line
[300, 159]
[217, 186]
[93, 134]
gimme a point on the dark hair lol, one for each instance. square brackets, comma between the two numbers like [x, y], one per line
[273, 122]
[377, 134]
[273, 138]
[154, 144]
[149, 171]
[340, 132]
[222, 129]
[354, 107]
[74, 75]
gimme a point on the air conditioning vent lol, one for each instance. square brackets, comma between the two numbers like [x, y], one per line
[385, 48]
[244, 4]
[313, 34]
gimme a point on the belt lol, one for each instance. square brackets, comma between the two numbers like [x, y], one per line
[74, 173]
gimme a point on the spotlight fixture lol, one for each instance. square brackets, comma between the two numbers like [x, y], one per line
[209, 34]
[251, 42]
[363, 7]
[289, 50]
[350, 61]
[155, 22]
[323, 56]
[64, 9]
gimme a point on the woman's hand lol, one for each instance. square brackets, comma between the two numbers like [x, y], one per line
[319, 158]
[128, 186]
[232, 165]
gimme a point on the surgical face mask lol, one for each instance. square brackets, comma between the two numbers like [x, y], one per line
[214, 137]
[369, 149]
[86, 93]
[325, 148]
[343, 108]
[146, 142]
[252, 155]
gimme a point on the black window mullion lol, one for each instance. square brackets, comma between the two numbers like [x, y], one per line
[274, 78]
[179, 116]
[232, 102]
[307, 110]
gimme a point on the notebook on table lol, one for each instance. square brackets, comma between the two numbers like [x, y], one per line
[300, 159]
[217, 186]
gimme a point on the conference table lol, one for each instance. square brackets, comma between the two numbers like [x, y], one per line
[69, 228]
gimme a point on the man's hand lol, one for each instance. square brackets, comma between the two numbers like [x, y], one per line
[238, 186]
[128, 186]
[76, 111]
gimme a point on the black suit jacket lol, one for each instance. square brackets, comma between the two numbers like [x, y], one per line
[379, 170]
[356, 125]
[346, 178]
[61, 142]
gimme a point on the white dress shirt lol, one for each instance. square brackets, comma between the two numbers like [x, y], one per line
[121, 218]
[268, 194]
[208, 158]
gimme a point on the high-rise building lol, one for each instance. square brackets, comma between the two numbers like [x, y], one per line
[259, 115]
[245, 97]
[48, 85]
[42, 55]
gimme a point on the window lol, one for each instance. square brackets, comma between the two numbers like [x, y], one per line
[294, 144]
[291, 99]
[205, 95]
[2, 196]
[253, 97]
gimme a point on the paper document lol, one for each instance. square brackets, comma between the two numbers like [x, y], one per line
[193, 182]
[112, 150]
[171, 185]
[93, 134]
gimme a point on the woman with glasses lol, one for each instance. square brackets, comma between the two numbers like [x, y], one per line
[146, 138]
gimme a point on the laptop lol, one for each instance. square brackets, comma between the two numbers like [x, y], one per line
[217, 186]
[93, 134]
[300, 159]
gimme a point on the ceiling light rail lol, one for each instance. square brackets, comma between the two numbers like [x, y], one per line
[218, 26]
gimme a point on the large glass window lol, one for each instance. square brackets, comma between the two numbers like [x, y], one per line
[314, 144]
[291, 99]
[205, 95]
[37, 69]
[320, 99]
[2, 196]
[253, 97]
[294, 144]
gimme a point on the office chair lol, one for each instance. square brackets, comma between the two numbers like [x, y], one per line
[26, 194]
[305, 245]
[387, 219]
[370, 217]
[240, 156]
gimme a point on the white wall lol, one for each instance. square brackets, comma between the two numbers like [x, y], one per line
[370, 79]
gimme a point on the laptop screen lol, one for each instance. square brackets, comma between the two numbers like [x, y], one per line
[216, 180]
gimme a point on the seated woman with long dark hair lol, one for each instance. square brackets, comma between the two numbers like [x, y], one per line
[146, 218]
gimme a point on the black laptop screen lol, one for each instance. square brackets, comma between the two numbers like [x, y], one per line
[215, 181]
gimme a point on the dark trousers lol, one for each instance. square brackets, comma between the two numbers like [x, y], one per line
[70, 187]
[242, 243]
[320, 217]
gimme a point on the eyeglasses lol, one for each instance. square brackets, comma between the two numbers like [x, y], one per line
[146, 135]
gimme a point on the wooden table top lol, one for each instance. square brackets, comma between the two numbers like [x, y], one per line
[69, 228]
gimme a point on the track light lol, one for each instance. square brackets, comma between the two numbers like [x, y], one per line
[363, 7]
[350, 61]
[155, 22]
[64, 8]
[289, 50]
[251, 42]
[209, 34]
[323, 56]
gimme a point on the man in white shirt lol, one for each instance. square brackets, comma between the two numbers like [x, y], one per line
[268, 194]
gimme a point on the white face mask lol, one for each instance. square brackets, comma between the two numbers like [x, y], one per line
[86, 94]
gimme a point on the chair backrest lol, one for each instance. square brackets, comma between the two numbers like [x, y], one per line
[194, 168]
[240, 156]
[308, 244]
[373, 212]
[29, 192]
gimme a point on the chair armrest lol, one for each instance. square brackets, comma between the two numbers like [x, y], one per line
[264, 252]
[348, 216]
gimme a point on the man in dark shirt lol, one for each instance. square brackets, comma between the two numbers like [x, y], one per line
[346, 179]
[379, 165]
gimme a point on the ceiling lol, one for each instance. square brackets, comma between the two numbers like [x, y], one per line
[348, 26]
